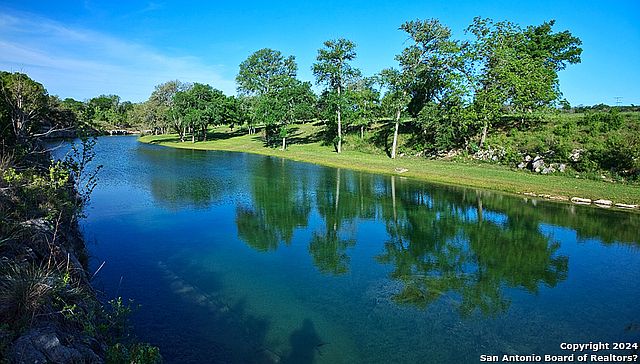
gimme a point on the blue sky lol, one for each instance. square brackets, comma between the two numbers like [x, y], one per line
[81, 49]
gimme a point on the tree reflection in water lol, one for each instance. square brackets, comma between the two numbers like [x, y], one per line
[280, 204]
[465, 245]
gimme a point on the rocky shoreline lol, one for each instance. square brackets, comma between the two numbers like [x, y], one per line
[49, 311]
[56, 334]
[602, 203]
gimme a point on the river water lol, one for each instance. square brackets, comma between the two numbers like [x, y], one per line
[239, 258]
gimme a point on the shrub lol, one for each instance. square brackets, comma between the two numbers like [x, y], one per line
[602, 122]
[30, 290]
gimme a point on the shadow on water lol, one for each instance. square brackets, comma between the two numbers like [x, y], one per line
[229, 332]
[226, 331]
[305, 345]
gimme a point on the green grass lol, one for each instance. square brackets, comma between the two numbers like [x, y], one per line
[306, 148]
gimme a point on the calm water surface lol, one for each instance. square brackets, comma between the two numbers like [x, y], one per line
[239, 258]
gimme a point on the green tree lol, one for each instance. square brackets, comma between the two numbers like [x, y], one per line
[24, 104]
[63, 114]
[162, 108]
[104, 111]
[200, 106]
[287, 101]
[366, 102]
[334, 70]
[246, 112]
[262, 69]
[261, 75]
[516, 68]
[395, 99]
[431, 74]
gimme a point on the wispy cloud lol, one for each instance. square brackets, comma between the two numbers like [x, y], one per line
[82, 63]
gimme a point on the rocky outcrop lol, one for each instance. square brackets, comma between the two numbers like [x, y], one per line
[602, 203]
[49, 344]
[51, 336]
[538, 165]
[490, 154]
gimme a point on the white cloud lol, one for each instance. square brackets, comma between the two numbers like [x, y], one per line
[82, 63]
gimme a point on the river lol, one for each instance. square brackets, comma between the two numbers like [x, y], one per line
[240, 258]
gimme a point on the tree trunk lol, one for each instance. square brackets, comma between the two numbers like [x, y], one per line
[204, 134]
[361, 131]
[339, 148]
[284, 143]
[485, 127]
[193, 136]
[395, 135]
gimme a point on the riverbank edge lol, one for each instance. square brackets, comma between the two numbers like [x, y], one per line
[57, 337]
[582, 193]
[51, 312]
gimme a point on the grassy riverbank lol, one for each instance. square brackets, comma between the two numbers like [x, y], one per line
[481, 175]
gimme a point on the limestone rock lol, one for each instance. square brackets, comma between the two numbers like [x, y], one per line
[575, 155]
[559, 198]
[44, 345]
[548, 170]
[626, 206]
[581, 201]
[603, 202]
[538, 164]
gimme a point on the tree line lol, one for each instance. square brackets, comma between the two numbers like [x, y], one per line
[29, 112]
[496, 89]
[445, 92]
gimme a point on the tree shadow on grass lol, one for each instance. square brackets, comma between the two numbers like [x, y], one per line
[211, 136]
[298, 137]
[380, 137]
[220, 135]
[175, 139]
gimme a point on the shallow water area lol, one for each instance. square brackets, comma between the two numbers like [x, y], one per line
[241, 258]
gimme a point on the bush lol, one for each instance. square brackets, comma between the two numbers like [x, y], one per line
[28, 291]
[133, 354]
[602, 122]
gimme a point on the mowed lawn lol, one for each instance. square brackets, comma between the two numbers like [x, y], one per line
[306, 148]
